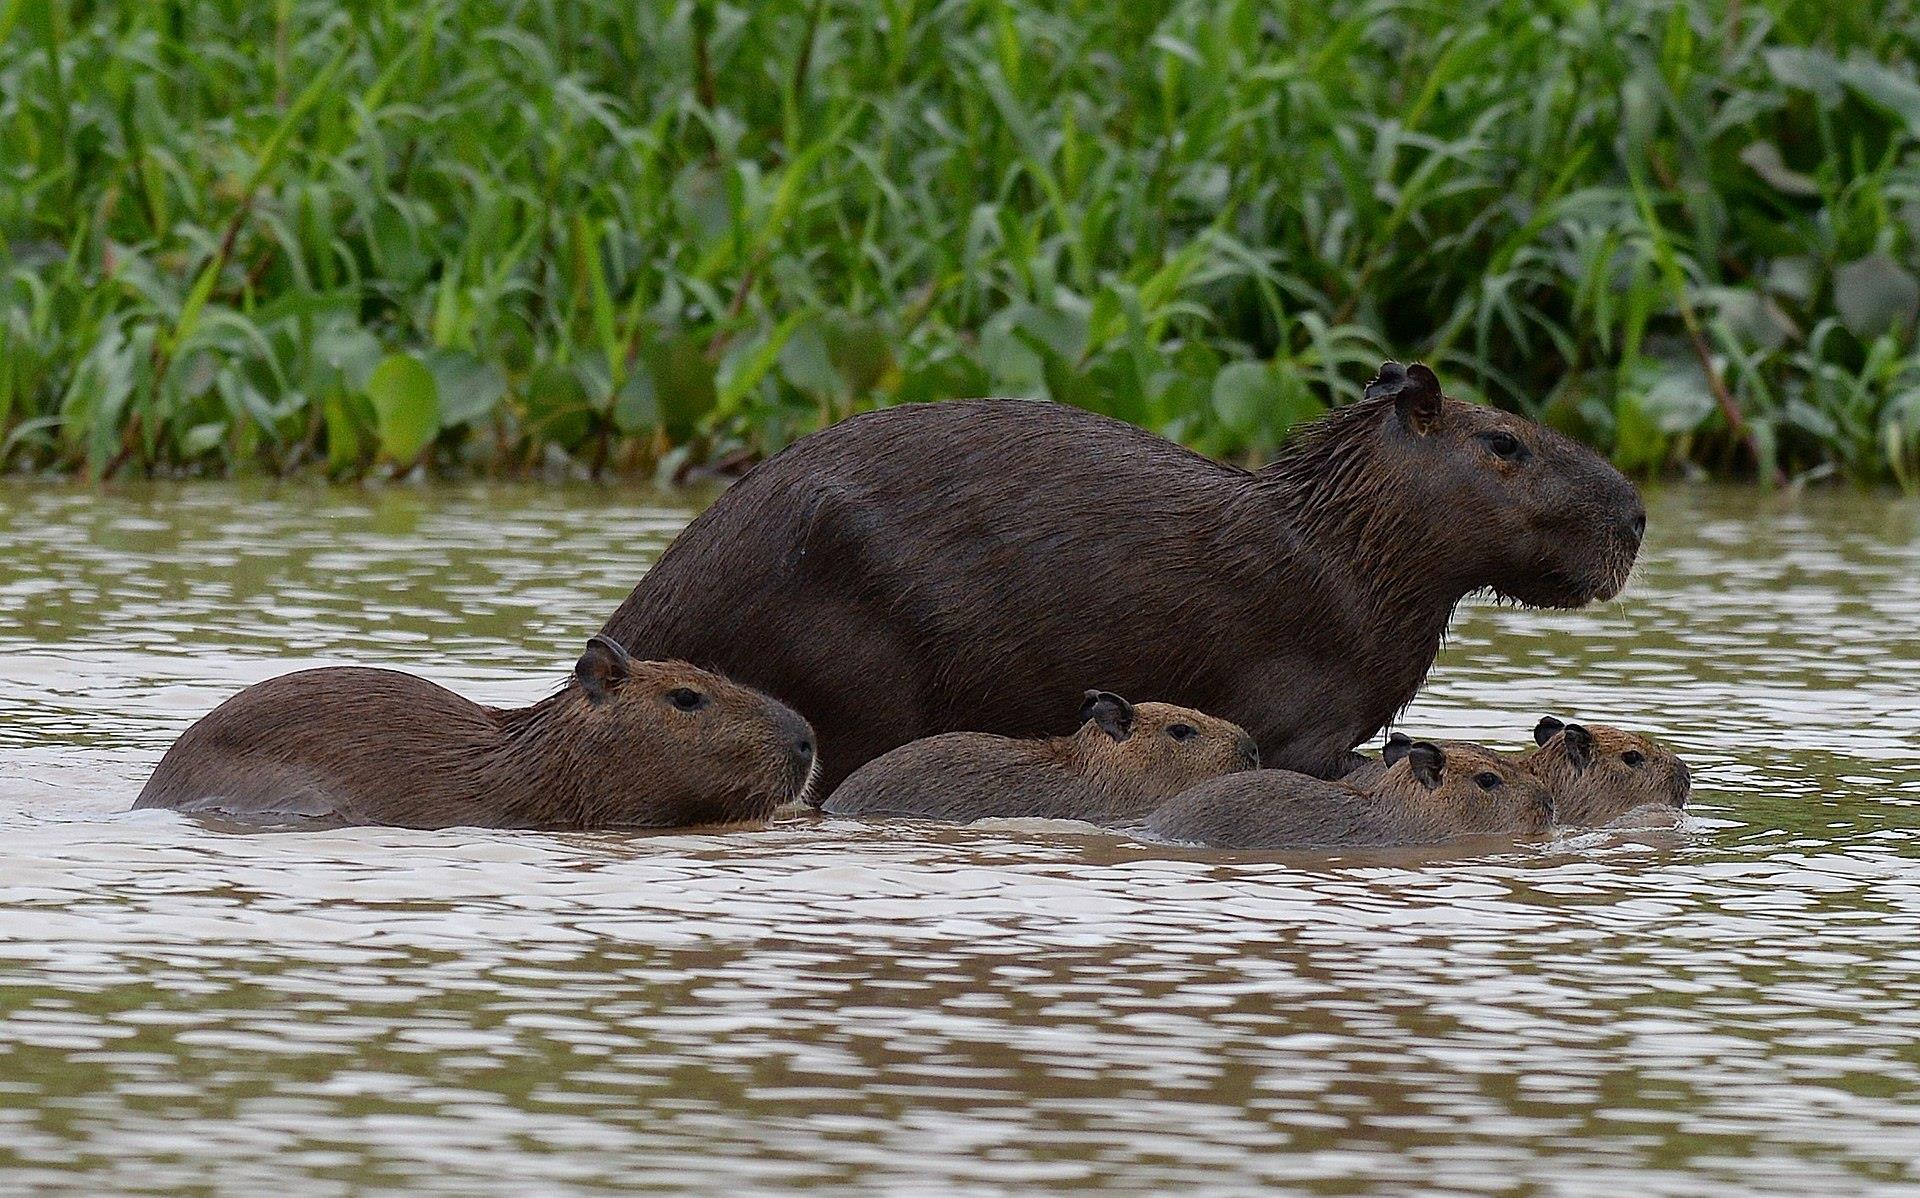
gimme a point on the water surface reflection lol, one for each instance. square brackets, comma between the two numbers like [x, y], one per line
[1726, 1008]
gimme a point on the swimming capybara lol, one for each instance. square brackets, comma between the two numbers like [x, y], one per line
[1598, 774]
[1125, 760]
[1595, 773]
[1429, 794]
[968, 566]
[630, 744]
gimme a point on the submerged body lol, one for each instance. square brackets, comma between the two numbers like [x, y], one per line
[1427, 796]
[1122, 762]
[634, 744]
[970, 566]
[1595, 773]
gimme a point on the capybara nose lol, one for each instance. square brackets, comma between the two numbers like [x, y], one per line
[1682, 784]
[1249, 752]
[800, 749]
[800, 745]
[1635, 523]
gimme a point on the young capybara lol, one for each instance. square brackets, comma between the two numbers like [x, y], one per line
[1427, 795]
[1598, 774]
[1595, 773]
[631, 744]
[1125, 760]
[966, 566]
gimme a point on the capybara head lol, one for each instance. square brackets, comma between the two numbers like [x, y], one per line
[1157, 749]
[700, 749]
[1515, 506]
[1597, 773]
[1464, 789]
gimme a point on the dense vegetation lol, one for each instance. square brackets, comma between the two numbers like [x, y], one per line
[239, 235]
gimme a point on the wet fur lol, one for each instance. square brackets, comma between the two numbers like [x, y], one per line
[349, 745]
[1280, 809]
[965, 776]
[973, 565]
[1585, 796]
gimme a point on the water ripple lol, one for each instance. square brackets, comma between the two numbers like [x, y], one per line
[1727, 1007]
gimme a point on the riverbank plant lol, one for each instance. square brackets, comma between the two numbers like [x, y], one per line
[281, 235]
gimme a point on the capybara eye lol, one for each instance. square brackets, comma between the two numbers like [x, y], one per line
[1634, 757]
[1182, 731]
[1504, 444]
[686, 699]
[1488, 780]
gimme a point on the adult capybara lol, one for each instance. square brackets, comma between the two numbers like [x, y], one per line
[967, 566]
[1427, 795]
[1595, 773]
[631, 744]
[1124, 761]
[1598, 774]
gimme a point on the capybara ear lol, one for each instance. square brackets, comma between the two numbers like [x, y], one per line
[1427, 761]
[1579, 744]
[1419, 400]
[1391, 378]
[1110, 711]
[602, 667]
[1396, 748]
[1415, 392]
[1546, 729]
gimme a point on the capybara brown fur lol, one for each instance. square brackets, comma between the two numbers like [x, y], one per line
[630, 744]
[1125, 760]
[1598, 773]
[1427, 795]
[1595, 773]
[968, 566]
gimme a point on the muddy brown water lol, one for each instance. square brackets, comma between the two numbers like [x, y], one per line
[1730, 1006]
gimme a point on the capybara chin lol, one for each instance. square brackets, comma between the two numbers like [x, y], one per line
[968, 566]
[1125, 760]
[1598, 774]
[1427, 795]
[632, 744]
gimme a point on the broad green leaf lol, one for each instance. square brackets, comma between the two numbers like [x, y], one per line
[637, 407]
[1874, 294]
[806, 364]
[558, 409]
[1241, 392]
[1885, 87]
[406, 407]
[468, 389]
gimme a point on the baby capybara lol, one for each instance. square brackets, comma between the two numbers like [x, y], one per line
[1125, 760]
[633, 744]
[1595, 773]
[967, 566]
[1427, 795]
[1598, 774]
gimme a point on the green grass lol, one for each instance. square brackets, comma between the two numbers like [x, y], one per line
[274, 235]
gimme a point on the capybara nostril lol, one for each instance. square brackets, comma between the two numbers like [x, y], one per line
[1636, 524]
[801, 754]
